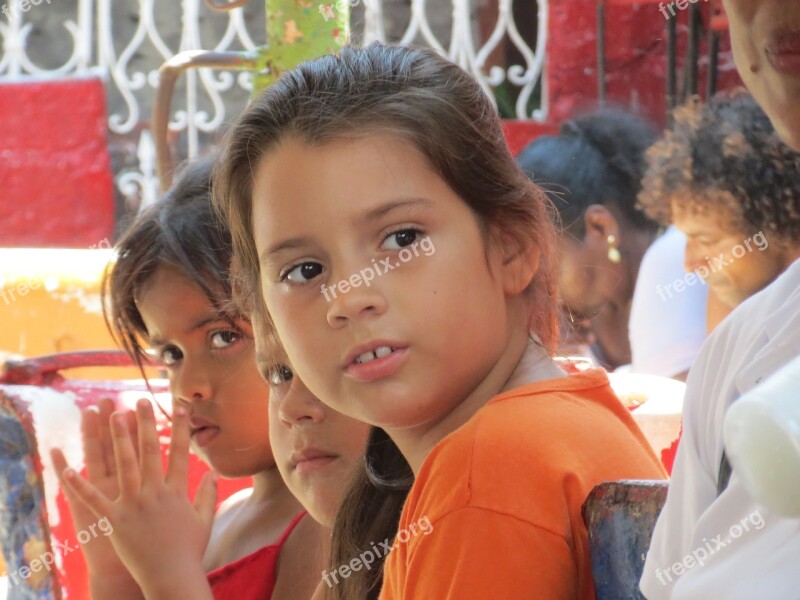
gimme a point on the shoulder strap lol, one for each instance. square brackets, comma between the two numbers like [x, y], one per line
[291, 527]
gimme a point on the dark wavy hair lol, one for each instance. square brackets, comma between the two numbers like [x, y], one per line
[426, 99]
[180, 231]
[725, 156]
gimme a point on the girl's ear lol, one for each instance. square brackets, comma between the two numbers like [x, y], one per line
[519, 262]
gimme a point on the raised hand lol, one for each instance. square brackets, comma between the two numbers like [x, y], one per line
[108, 577]
[158, 533]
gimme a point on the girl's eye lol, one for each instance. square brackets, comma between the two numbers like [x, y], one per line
[170, 355]
[223, 339]
[279, 374]
[302, 273]
[401, 238]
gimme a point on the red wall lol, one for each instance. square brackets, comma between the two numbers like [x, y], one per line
[55, 174]
[635, 62]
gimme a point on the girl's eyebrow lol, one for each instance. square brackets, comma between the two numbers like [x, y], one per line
[289, 244]
[384, 209]
[198, 324]
[373, 215]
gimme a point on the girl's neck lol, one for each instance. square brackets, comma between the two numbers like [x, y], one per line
[534, 365]
[268, 486]
[524, 361]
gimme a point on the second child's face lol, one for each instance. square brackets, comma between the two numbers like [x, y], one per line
[378, 279]
[765, 38]
[212, 372]
[318, 450]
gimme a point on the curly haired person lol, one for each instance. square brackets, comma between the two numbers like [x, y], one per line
[725, 179]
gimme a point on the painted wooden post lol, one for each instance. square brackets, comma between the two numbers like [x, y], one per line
[297, 30]
[620, 517]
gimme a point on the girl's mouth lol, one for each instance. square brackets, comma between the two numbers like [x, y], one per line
[311, 459]
[379, 352]
[204, 435]
[382, 361]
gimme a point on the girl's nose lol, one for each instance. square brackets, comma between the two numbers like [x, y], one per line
[191, 385]
[299, 406]
[351, 302]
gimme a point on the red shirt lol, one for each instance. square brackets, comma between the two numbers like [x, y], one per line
[252, 576]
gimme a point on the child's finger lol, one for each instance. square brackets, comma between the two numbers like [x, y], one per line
[60, 465]
[178, 465]
[106, 407]
[125, 456]
[205, 500]
[59, 461]
[96, 466]
[86, 493]
[133, 427]
[149, 446]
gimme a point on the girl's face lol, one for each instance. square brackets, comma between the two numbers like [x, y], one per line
[317, 449]
[388, 302]
[212, 372]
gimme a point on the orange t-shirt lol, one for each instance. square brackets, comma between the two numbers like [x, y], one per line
[495, 511]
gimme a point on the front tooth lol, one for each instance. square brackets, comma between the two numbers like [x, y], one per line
[382, 351]
[367, 356]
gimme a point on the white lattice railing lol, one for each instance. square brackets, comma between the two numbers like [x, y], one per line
[99, 45]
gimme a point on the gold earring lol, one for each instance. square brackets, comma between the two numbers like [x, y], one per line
[613, 253]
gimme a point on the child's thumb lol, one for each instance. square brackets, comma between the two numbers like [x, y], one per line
[205, 500]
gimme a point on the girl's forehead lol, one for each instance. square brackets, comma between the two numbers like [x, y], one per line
[301, 189]
[297, 163]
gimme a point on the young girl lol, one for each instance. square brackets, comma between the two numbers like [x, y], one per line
[406, 264]
[169, 290]
[318, 452]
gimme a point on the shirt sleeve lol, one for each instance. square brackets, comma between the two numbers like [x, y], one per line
[479, 553]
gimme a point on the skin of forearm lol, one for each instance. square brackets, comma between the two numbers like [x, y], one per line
[185, 584]
[101, 588]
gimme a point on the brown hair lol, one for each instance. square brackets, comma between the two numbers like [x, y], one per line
[180, 231]
[725, 156]
[421, 96]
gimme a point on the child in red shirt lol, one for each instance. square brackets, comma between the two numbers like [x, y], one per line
[169, 295]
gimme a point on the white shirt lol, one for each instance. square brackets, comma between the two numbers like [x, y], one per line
[751, 553]
[667, 325]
